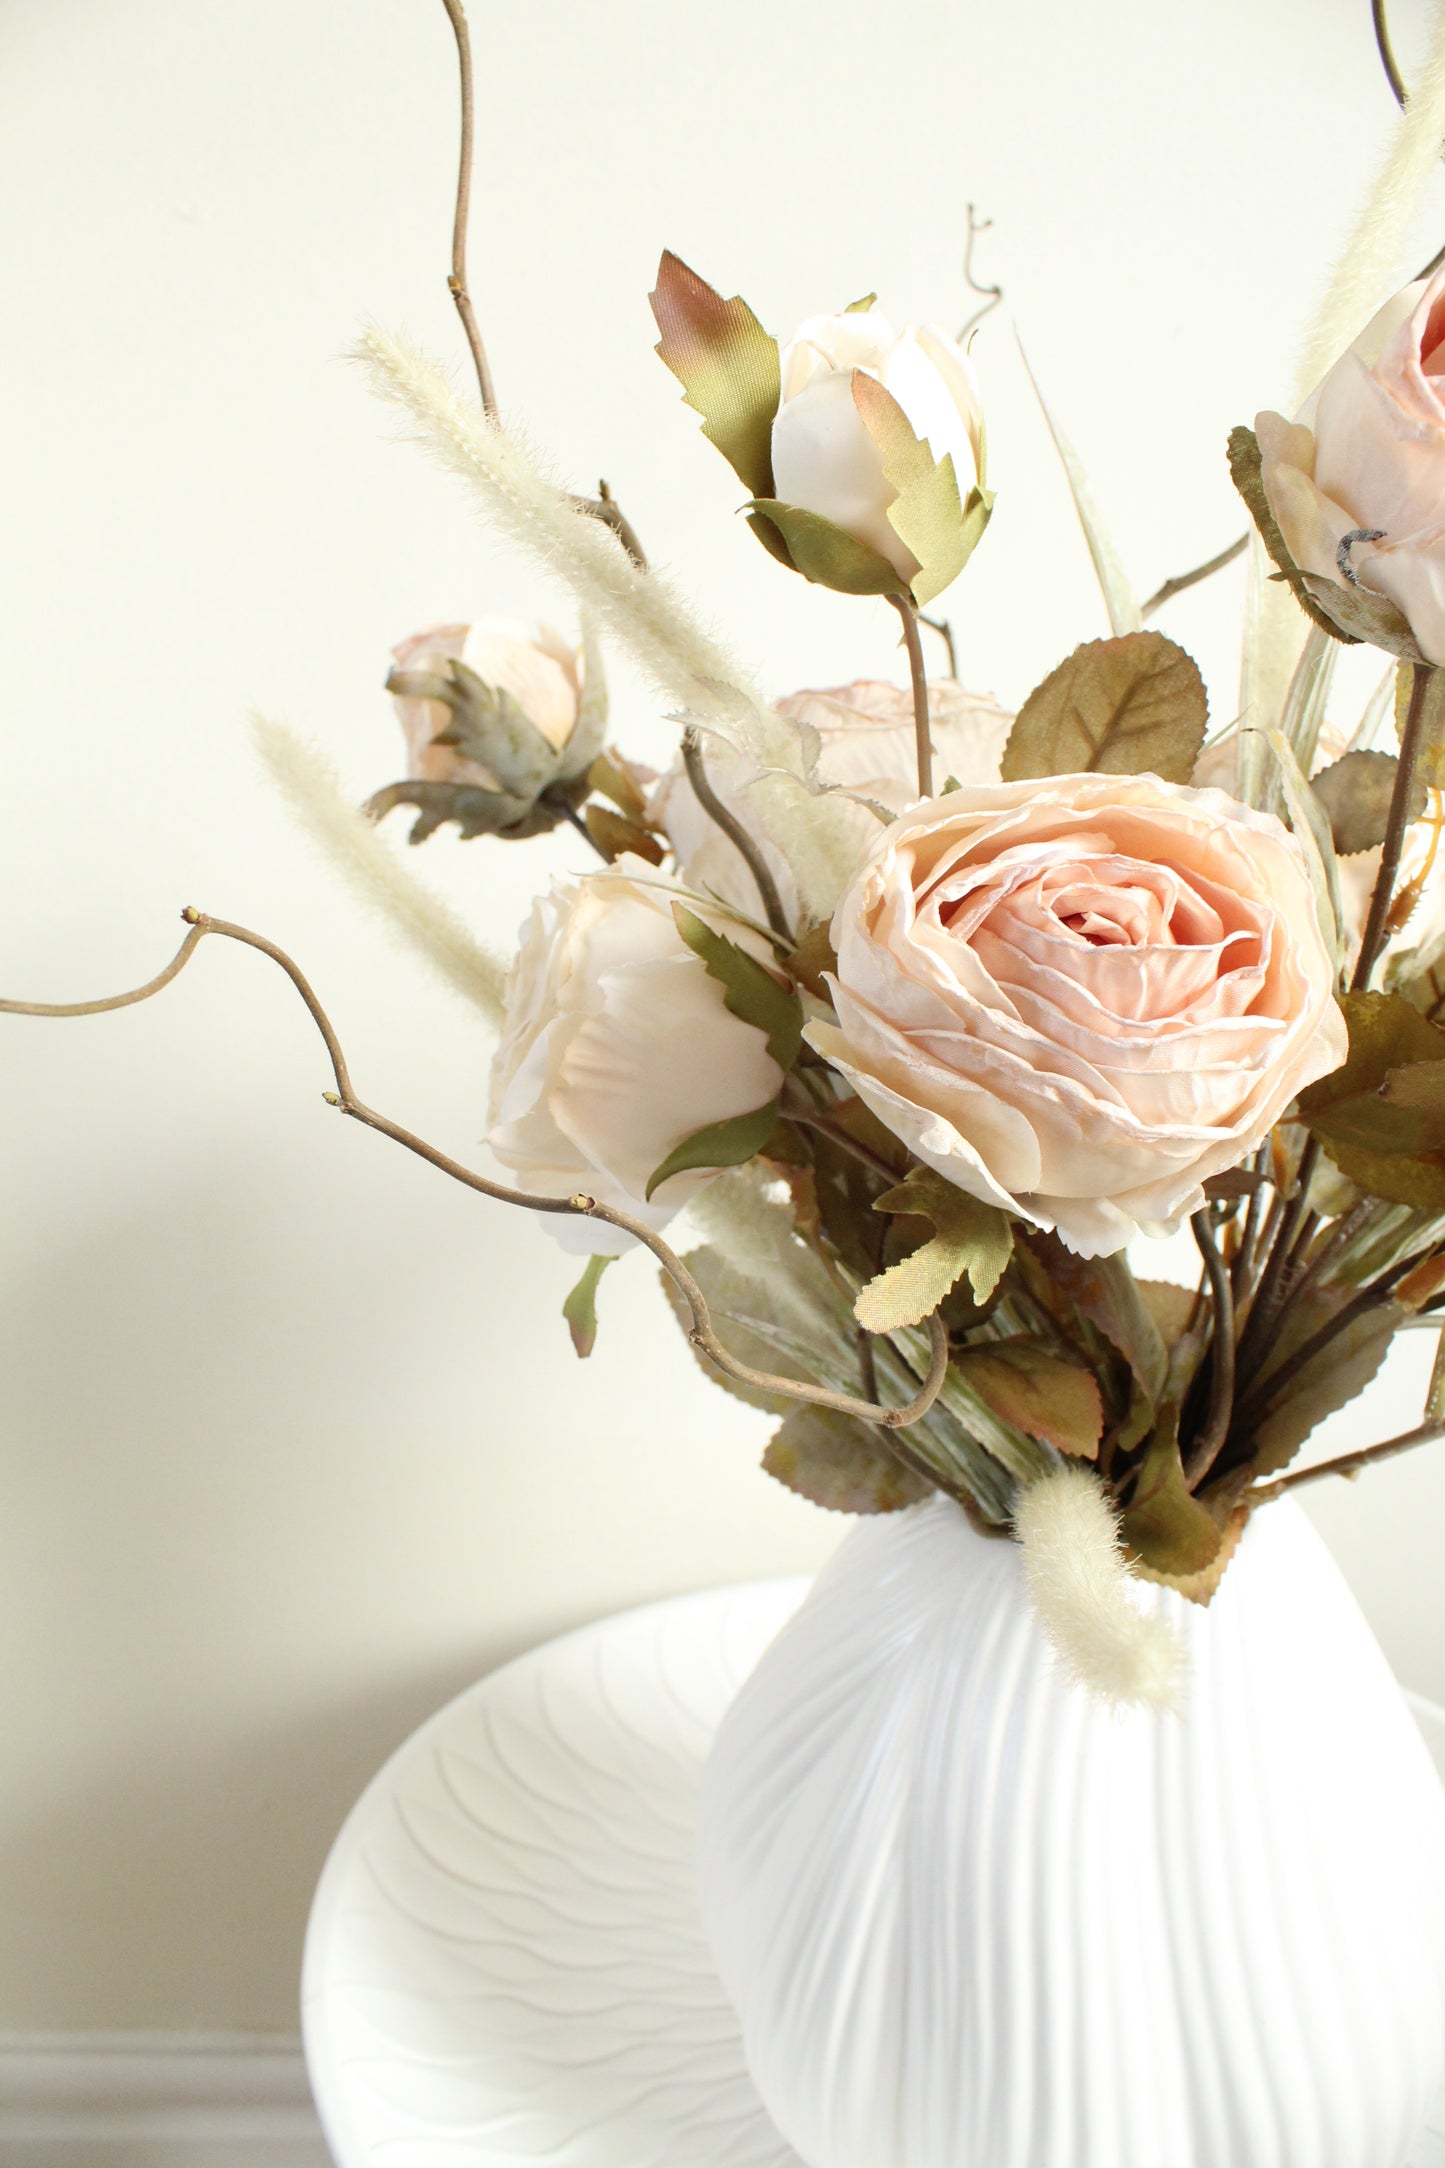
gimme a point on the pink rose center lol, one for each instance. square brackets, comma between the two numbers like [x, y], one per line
[1432, 342]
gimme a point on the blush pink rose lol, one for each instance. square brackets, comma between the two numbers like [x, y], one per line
[1366, 458]
[1078, 998]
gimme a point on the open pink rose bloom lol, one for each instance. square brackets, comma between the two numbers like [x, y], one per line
[1079, 998]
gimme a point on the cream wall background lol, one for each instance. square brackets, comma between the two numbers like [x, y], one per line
[293, 1444]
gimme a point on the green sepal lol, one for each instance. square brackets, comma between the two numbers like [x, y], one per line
[927, 515]
[720, 1144]
[826, 554]
[969, 1237]
[1246, 471]
[727, 365]
[861, 306]
[750, 991]
[580, 1308]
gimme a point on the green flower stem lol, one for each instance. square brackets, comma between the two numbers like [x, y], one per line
[736, 834]
[1206, 1448]
[1376, 925]
[914, 645]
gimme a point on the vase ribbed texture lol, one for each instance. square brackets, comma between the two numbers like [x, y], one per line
[971, 1918]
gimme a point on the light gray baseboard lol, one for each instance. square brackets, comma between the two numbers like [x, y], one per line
[156, 2100]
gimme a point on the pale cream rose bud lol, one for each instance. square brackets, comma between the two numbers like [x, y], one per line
[1079, 997]
[617, 1046]
[532, 663]
[502, 722]
[826, 460]
[866, 746]
[1357, 481]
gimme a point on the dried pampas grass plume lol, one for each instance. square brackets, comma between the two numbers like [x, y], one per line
[372, 869]
[1081, 1591]
[640, 611]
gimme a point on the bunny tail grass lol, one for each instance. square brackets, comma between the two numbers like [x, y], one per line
[1368, 269]
[1080, 1587]
[643, 615]
[312, 789]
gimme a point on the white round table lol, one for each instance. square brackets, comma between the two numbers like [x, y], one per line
[505, 1965]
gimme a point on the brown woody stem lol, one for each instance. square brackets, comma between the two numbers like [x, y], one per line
[1183, 581]
[1348, 1463]
[457, 281]
[922, 740]
[702, 1336]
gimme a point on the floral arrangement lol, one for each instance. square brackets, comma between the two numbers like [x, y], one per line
[923, 1015]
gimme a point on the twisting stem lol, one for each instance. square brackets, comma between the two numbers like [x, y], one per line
[993, 295]
[1396, 824]
[916, 671]
[702, 1336]
[1182, 581]
[1206, 1450]
[1348, 1463]
[457, 282]
[736, 834]
[111, 1001]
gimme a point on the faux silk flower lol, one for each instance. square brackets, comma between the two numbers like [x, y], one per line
[866, 747]
[1357, 481]
[1078, 998]
[616, 1046]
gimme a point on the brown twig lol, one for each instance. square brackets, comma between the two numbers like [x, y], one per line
[111, 1001]
[701, 1335]
[1376, 928]
[993, 294]
[1348, 1464]
[1269, 1292]
[1184, 580]
[746, 845]
[922, 741]
[1205, 1451]
[457, 280]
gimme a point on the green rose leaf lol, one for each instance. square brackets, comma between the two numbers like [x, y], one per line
[719, 1144]
[580, 1308]
[1166, 1529]
[1055, 1401]
[1246, 472]
[840, 1463]
[749, 989]
[1340, 1372]
[1381, 1115]
[824, 553]
[1355, 792]
[969, 1237]
[727, 366]
[1103, 1292]
[1133, 705]
[1431, 767]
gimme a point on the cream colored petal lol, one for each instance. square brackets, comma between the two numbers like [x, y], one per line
[824, 461]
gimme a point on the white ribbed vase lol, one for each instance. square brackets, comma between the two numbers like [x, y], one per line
[971, 1919]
